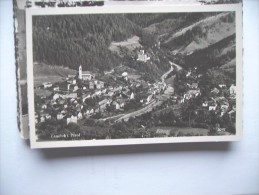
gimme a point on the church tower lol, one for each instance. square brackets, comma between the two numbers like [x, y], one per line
[132, 96]
[80, 72]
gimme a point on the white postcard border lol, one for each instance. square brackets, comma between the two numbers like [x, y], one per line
[136, 9]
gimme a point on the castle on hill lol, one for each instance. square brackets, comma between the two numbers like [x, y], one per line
[142, 56]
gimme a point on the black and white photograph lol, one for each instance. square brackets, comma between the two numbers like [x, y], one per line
[143, 77]
[20, 7]
[161, 95]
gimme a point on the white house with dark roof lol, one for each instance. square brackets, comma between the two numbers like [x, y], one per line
[205, 104]
[47, 84]
[72, 119]
[213, 107]
[56, 96]
[79, 115]
[116, 104]
[42, 119]
[60, 116]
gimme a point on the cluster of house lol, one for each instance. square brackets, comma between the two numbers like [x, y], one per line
[193, 87]
[193, 91]
[221, 104]
[218, 103]
[72, 101]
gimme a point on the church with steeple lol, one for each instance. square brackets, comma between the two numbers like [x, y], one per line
[85, 75]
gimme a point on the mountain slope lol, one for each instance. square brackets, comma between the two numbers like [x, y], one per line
[221, 54]
[202, 34]
[79, 39]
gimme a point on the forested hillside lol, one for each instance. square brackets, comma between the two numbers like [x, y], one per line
[205, 40]
[79, 39]
[84, 39]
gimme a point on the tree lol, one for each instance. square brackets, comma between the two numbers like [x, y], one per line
[148, 39]
[91, 102]
[120, 130]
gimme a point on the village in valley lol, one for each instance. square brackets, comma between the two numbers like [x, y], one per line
[137, 75]
[84, 95]
[179, 104]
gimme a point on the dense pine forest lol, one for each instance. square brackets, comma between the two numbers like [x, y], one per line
[84, 39]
